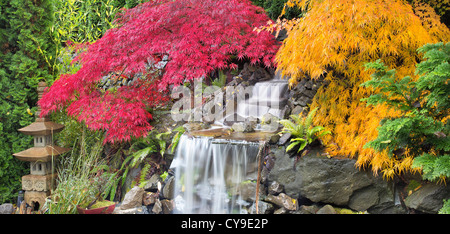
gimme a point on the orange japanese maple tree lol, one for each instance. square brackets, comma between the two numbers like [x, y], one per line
[193, 37]
[334, 40]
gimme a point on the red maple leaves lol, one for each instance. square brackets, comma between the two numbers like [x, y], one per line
[196, 36]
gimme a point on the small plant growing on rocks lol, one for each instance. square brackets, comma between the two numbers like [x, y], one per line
[302, 130]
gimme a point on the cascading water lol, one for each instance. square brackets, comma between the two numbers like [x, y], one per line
[264, 97]
[208, 173]
[267, 97]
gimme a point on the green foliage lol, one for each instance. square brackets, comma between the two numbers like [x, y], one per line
[445, 208]
[24, 35]
[435, 72]
[83, 20]
[433, 167]
[423, 104]
[422, 128]
[176, 138]
[302, 131]
[220, 81]
[274, 8]
[164, 175]
[80, 178]
[148, 150]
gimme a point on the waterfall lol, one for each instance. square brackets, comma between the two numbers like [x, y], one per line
[264, 97]
[267, 97]
[208, 173]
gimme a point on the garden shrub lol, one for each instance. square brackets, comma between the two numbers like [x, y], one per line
[421, 132]
[24, 38]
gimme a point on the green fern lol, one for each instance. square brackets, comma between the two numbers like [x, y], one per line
[176, 138]
[302, 130]
[220, 81]
[143, 176]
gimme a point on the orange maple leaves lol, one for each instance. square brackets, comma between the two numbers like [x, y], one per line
[334, 39]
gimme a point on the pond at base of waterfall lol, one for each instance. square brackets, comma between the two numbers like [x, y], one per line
[208, 173]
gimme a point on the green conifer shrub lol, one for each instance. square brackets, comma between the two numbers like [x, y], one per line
[24, 39]
[422, 129]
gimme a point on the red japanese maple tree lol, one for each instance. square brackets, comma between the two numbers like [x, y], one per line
[195, 37]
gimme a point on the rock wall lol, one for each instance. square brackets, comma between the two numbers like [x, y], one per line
[301, 96]
[320, 179]
[317, 179]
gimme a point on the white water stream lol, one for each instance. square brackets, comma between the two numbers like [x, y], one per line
[208, 172]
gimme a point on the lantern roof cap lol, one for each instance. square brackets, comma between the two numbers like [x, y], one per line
[41, 154]
[42, 127]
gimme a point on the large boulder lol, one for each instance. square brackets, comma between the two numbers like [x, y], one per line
[133, 198]
[429, 198]
[334, 181]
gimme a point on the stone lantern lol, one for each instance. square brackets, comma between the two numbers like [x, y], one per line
[38, 184]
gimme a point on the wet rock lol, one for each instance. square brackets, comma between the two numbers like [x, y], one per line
[157, 208]
[309, 93]
[263, 208]
[269, 161]
[302, 101]
[309, 83]
[275, 188]
[327, 209]
[259, 74]
[149, 198]
[364, 198]
[152, 183]
[247, 191]
[308, 209]
[429, 198]
[333, 181]
[268, 118]
[252, 121]
[274, 139]
[246, 71]
[194, 126]
[269, 123]
[168, 189]
[167, 206]
[284, 138]
[285, 112]
[242, 127]
[297, 110]
[133, 198]
[283, 200]
[281, 210]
